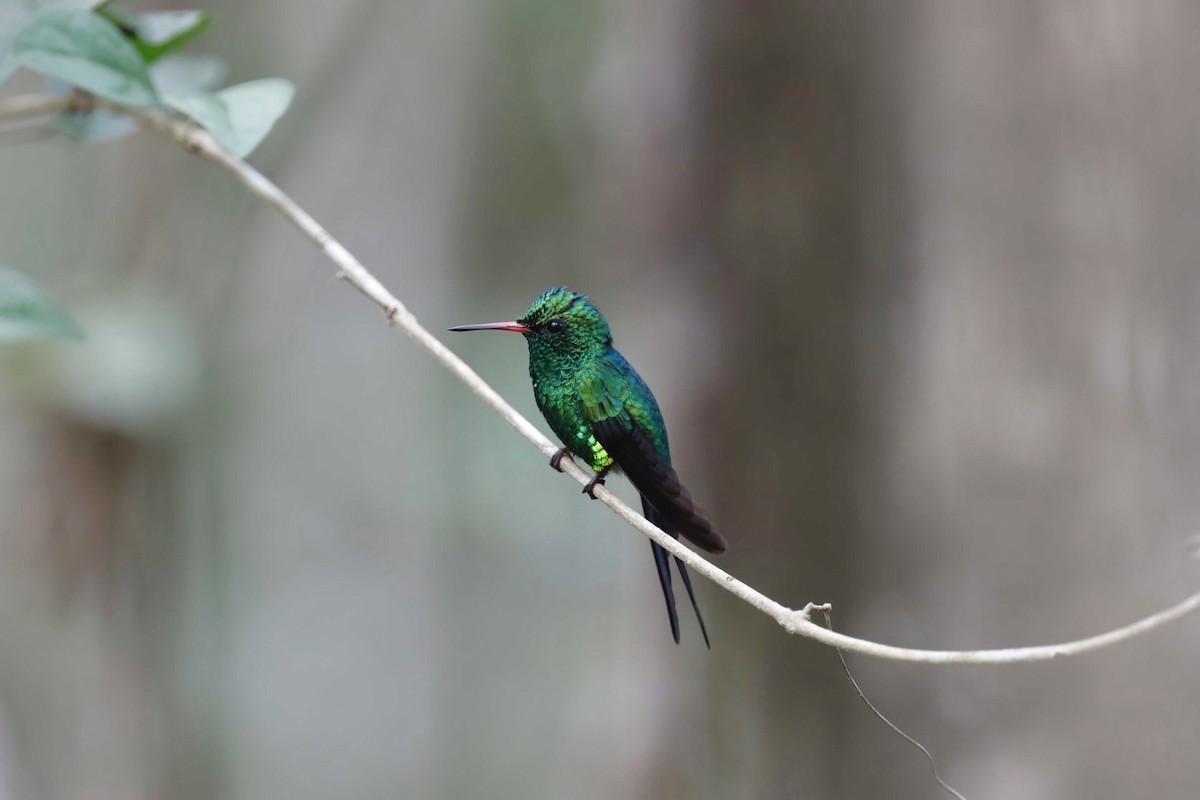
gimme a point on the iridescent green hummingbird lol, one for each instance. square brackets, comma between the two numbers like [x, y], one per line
[602, 410]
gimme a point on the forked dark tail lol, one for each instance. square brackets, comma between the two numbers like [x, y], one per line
[662, 562]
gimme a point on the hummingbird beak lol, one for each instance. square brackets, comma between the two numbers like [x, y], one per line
[515, 327]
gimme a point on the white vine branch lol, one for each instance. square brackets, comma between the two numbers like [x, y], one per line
[23, 105]
[796, 621]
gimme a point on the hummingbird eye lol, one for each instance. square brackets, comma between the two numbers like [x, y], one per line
[556, 326]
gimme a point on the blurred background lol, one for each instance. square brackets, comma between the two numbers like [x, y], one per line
[915, 285]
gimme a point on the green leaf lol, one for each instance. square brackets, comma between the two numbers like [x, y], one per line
[26, 313]
[207, 109]
[16, 14]
[240, 116]
[157, 33]
[87, 51]
[177, 74]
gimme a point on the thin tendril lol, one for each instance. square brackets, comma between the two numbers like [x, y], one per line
[828, 611]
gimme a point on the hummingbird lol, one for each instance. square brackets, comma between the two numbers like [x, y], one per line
[603, 413]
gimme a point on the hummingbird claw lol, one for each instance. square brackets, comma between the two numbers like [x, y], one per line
[557, 458]
[590, 488]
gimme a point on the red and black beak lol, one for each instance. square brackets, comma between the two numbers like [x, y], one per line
[515, 327]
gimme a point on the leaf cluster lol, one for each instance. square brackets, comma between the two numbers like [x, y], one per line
[93, 49]
[131, 59]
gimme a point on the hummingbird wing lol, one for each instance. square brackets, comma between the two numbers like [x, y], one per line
[651, 473]
[657, 483]
[626, 421]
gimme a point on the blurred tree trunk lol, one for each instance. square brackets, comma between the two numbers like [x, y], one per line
[777, 207]
[955, 250]
[1035, 389]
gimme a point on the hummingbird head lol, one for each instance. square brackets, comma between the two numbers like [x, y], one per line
[561, 326]
[566, 320]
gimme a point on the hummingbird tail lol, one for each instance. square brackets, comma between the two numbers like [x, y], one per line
[662, 561]
[687, 584]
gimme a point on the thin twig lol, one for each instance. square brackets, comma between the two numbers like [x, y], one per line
[827, 609]
[200, 142]
[25, 105]
[26, 118]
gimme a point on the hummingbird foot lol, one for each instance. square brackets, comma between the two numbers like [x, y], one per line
[590, 487]
[557, 458]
